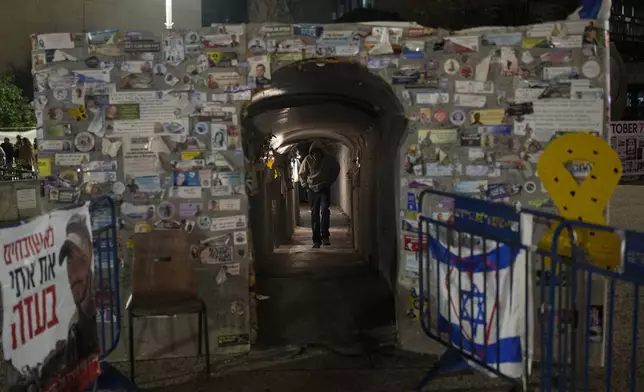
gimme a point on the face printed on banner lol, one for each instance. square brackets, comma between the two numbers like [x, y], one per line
[78, 252]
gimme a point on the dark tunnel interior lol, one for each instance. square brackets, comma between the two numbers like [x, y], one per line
[334, 294]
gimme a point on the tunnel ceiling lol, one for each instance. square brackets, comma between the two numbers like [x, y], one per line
[310, 99]
[328, 120]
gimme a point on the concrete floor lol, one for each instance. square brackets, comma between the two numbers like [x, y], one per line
[326, 296]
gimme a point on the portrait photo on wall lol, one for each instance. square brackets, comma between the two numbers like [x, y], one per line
[259, 71]
[218, 137]
[186, 178]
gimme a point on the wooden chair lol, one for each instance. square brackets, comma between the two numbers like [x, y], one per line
[163, 284]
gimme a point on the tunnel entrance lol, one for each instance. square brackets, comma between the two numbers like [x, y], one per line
[340, 293]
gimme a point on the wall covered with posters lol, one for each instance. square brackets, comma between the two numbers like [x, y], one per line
[153, 119]
[483, 107]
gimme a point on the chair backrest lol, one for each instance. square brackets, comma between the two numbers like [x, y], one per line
[162, 264]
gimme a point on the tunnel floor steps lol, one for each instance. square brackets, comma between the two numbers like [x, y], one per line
[325, 296]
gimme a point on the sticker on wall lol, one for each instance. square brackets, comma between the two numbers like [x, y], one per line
[189, 225]
[232, 269]
[190, 210]
[203, 222]
[216, 254]
[84, 142]
[165, 210]
[457, 117]
[60, 94]
[118, 188]
[412, 205]
[240, 238]
[201, 128]
[142, 227]
[526, 57]
[257, 45]
[237, 308]
[425, 114]
[451, 66]
[466, 71]
[55, 114]
[530, 187]
[440, 115]
[138, 212]
[591, 69]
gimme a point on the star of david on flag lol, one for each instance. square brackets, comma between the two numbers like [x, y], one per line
[487, 325]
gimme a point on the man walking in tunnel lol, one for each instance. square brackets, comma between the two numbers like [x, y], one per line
[318, 172]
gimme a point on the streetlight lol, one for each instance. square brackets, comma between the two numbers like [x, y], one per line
[168, 14]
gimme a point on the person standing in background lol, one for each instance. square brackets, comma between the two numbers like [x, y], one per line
[26, 152]
[35, 164]
[7, 147]
[16, 152]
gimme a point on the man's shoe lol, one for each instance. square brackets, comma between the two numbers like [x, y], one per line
[326, 242]
[316, 245]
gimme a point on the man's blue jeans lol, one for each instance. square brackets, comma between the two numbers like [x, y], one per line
[320, 202]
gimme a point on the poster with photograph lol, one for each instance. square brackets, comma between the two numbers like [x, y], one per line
[228, 81]
[123, 111]
[49, 331]
[219, 137]
[186, 178]
[259, 71]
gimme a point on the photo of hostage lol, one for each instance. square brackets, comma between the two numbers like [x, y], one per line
[82, 337]
[318, 172]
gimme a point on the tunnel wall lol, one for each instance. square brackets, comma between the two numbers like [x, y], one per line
[341, 189]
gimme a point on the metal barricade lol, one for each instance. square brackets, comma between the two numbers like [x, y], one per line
[7, 174]
[106, 273]
[501, 304]
[611, 326]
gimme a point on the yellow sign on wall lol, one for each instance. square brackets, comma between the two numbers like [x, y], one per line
[44, 167]
[583, 202]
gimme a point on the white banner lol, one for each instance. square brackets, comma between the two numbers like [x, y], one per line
[49, 330]
[627, 138]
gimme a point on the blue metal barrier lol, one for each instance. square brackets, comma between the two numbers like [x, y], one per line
[567, 365]
[478, 265]
[106, 273]
[108, 300]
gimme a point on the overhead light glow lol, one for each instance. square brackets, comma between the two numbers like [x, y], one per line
[168, 14]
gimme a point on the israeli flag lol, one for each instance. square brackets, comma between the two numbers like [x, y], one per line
[592, 9]
[482, 293]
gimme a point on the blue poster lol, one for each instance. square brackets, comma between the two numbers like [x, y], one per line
[411, 202]
[503, 129]
[148, 184]
[186, 178]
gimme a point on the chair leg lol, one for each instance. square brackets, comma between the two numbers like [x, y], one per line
[206, 341]
[130, 328]
[199, 338]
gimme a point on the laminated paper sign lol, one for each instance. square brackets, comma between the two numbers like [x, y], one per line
[234, 222]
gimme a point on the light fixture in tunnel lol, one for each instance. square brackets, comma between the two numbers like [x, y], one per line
[277, 141]
[267, 93]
